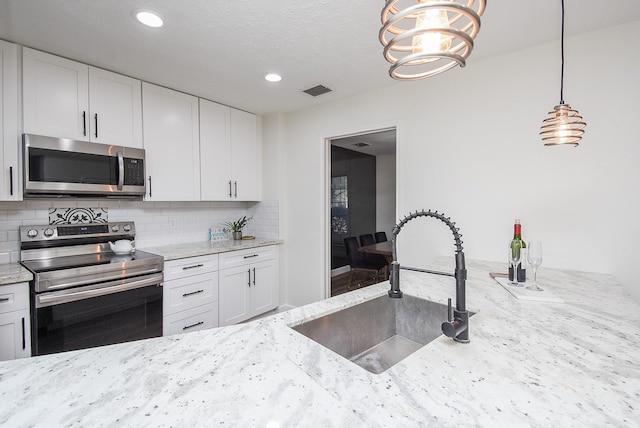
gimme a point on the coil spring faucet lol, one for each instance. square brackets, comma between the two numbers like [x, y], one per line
[457, 326]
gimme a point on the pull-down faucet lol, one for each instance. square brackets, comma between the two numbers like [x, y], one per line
[457, 326]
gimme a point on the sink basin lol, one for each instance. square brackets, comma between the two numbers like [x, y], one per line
[378, 333]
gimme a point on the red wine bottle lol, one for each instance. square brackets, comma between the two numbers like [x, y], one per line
[517, 235]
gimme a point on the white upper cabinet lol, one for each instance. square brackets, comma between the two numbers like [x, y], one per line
[67, 99]
[10, 178]
[229, 153]
[245, 155]
[172, 144]
[215, 152]
[115, 103]
[56, 96]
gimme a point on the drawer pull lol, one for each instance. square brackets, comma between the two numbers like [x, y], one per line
[192, 293]
[4, 299]
[252, 255]
[193, 267]
[193, 325]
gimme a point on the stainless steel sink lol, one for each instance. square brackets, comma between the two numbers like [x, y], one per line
[378, 333]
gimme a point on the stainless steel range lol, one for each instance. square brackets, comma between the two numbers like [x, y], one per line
[84, 295]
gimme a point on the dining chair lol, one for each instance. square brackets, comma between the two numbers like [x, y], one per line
[367, 239]
[381, 236]
[358, 262]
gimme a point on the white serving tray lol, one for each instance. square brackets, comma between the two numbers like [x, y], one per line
[523, 294]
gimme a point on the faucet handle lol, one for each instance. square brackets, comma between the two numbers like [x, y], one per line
[449, 310]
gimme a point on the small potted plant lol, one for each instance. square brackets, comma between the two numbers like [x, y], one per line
[236, 226]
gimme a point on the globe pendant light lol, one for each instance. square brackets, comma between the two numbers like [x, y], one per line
[422, 38]
[565, 125]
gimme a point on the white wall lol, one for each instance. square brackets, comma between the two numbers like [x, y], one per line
[386, 193]
[468, 145]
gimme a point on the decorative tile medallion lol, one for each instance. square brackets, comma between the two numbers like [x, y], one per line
[78, 215]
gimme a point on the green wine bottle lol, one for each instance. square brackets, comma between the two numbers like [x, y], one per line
[517, 235]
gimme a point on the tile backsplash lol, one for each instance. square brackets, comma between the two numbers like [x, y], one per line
[157, 223]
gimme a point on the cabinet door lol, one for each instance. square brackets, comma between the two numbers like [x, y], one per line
[172, 144]
[10, 177]
[264, 287]
[115, 103]
[14, 335]
[234, 297]
[244, 155]
[55, 96]
[215, 152]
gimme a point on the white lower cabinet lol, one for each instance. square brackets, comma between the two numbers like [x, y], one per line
[15, 339]
[248, 284]
[190, 300]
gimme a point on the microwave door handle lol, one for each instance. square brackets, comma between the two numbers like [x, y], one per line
[120, 170]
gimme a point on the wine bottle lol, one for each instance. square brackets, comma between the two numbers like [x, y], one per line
[517, 235]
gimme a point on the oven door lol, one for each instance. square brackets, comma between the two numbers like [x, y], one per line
[95, 315]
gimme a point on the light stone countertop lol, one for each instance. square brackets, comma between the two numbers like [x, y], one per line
[181, 251]
[14, 272]
[528, 364]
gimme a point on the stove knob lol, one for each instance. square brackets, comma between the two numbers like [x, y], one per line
[32, 233]
[127, 228]
[115, 228]
[48, 232]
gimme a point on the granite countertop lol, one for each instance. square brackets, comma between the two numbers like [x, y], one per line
[181, 251]
[528, 364]
[14, 272]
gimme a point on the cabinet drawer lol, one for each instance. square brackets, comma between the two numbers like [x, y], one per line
[248, 256]
[183, 268]
[186, 293]
[199, 318]
[14, 297]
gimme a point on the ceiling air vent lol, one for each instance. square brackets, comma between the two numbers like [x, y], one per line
[317, 90]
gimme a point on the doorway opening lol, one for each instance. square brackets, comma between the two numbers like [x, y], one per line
[362, 201]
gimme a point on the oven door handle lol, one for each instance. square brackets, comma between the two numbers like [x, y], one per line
[66, 296]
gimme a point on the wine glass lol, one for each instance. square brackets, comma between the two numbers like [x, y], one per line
[534, 257]
[515, 256]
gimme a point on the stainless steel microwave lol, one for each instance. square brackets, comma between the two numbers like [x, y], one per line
[59, 167]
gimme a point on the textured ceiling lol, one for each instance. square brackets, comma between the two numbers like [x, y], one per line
[221, 49]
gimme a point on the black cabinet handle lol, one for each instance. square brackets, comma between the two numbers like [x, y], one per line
[230, 194]
[254, 276]
[4, 299]
[193, 266]
[11, 180]
[249, 273]
[96, 117]
[252, 255]
[193, 325]
[84, 123]
[24, 335]
[192, 293]
[235, 183]
[150, 187]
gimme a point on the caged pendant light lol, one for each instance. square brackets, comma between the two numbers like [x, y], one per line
[565, 125]
[422, 38]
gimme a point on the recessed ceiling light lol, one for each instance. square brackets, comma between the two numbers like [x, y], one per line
[148, 18]
[272, 77]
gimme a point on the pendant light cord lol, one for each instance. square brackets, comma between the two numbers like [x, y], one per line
[562, 57]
